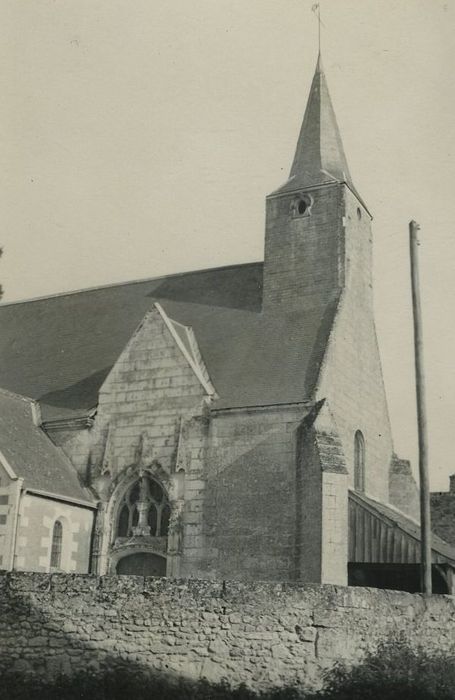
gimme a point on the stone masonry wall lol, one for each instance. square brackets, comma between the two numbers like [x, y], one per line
[309, 510]
[261, 634]
[150, 414]
[443, 515]
[403, 489]
[250, 494]
[141, 402]
[302, 254]
[322, 498]
[351, 376]
[147, 391]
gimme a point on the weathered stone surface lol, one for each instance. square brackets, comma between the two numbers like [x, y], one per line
[259, 633]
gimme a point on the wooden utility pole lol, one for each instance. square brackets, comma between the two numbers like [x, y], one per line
[425, 517]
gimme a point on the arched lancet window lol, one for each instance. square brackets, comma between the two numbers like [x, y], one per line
[359, 462]
[148, 496]
[56, 547]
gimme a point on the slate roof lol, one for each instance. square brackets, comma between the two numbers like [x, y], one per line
[60, 349]
[406, 524]
[319, 156]
[30, 453]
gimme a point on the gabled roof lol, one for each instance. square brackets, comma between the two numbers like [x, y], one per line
[319, 156]
[60, 349]
[31, 455]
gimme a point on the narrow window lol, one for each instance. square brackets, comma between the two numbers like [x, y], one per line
[359, 462]
[165, 517]
[123, 522]
[153, 519]
[56, 548]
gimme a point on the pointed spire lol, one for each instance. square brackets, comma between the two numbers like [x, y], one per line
[319, 156]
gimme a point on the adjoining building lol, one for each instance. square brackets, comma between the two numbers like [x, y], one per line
[230, 422]
[443, 512]
[46, 516]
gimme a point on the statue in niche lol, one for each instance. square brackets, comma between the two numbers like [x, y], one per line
[142, 529]
[175, 537]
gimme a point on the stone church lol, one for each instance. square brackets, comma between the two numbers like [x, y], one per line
[227, 423]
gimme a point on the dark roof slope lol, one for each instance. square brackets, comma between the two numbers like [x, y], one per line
[60, 349]
[31, 454]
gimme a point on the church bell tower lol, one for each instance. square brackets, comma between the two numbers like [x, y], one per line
[305, 244]
[318, 272]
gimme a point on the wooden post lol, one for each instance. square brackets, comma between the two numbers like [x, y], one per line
[425, 517]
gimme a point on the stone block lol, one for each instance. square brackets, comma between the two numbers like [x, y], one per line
[336, 644]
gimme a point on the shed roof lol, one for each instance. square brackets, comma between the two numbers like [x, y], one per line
[442, 551]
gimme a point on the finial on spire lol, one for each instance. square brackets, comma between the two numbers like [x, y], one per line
[319, 156]
[316, 8]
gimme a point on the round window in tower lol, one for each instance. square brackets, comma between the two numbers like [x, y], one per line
[301, 206]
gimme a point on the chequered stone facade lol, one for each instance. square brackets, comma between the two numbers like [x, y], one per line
[37, 516]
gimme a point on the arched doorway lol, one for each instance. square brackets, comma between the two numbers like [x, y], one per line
[142, 564]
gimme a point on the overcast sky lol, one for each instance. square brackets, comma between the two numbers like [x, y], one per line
[140, 138]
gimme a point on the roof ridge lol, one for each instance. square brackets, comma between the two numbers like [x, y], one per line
[129, 282]
[14, 395]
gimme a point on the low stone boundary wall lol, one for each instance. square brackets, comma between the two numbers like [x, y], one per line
[258, 633]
